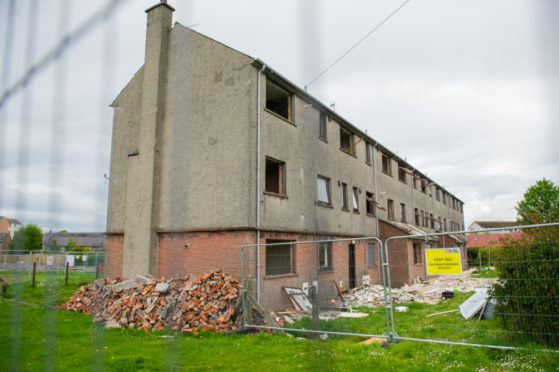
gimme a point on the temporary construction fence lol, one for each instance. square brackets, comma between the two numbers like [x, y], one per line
[356, 286]
[78, 262]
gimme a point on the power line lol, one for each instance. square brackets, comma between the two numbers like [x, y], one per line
[357, 43]
[57, 51]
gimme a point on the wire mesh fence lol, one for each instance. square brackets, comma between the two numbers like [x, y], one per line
[299, 286]
[78, 262]
[506, 295]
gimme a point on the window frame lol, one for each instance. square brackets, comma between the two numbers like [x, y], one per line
[351, 148]
[373, 255]
[345, 205]
[328, 190]
[386, 165]
[402, 175]
[403, 213]
[417, 216]
[289, 97]
[323, 127]
[417, 253]
[355, 199]
[370, 207]
[390, 209]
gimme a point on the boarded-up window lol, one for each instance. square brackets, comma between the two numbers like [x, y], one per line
[391, 209]
[275, 176]
[323, 189]
[371, 254]
[278, 100]
[279, 258]
[416, 253]
[322, 129]
[325, 255]
[344, 196]
[386, 166]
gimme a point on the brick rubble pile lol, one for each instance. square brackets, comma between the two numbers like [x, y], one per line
[183, 304]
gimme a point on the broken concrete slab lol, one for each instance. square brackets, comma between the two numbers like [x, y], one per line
[127, 284]
[140, 279]
[161, 287]
[474, 304]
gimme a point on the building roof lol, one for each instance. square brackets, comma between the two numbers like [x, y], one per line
[83, 239]
[493, 224]
[408, 228]
[489, 240]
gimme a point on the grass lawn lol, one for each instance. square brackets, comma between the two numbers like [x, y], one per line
[34, 336]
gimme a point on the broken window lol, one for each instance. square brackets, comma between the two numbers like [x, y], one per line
[386, 166]
[346, 141]
[390, 209]
[325, 255]
[279, 258]
[370, 207]
[355, 199]
[344, 196]
[403, 212]
[323, 189]
[278, 100]
[322, 130]
[416, 253]
[423, 186]
[275, 176]
[371, 254]
[417, 217]
[402, 173]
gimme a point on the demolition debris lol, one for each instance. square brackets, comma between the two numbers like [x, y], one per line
[210, 302]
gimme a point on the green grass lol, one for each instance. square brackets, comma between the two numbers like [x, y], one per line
[71, 342]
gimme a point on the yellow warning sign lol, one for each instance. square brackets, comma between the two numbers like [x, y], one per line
[443, 261]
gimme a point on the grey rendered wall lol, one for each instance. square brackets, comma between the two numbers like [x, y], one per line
[207, 143]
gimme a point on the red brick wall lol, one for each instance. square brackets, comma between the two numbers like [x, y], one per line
[113, 255]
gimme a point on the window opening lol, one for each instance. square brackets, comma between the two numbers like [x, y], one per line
[390, 209]
[370, 206]
[344, 196]
[402, 174]
[371, 254]
[275, 176]
[355, 199]
[325, 255]
[416, 253]
[322, 129]
[403, 212]
[386, 167]
[278, 100]
[346, 141]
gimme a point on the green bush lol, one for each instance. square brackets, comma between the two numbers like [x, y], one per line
[489, 255]
[528, 291]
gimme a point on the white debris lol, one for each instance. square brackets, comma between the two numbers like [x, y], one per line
[402, 309]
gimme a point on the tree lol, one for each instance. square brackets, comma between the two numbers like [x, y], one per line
[71, 244]
[528, 287]
[29, 238]
[540, 204]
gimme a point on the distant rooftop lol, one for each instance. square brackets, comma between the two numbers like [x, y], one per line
[491, 224]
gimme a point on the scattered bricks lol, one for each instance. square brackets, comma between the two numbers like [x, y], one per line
[189, 305]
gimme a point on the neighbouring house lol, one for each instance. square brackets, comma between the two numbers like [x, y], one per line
[481, 225]
[59, 241]
[483, 240]
[213, 149]
[9, 225]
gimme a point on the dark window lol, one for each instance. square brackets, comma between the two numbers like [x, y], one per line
[346, 141]
[432, 220]
[370, 206]
[440, 224]
[416, 253]
[386, 166]
[344, 196]
[444, 198]
[417, 216]
[325, 255]
[279, 258]
[403, 212]
[438, 194]
[371, 254]
[278, 100]
[422, 218]
[355, 199]
[368, 152]
[275, 176]
[323, 189]
[445, 224]
[402, 174]
[423, 186]
[322, 129]
[391, 209]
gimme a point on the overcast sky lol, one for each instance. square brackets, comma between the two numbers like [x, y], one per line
[466, 91]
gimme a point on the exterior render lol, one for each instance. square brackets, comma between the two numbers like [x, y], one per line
[213, 149]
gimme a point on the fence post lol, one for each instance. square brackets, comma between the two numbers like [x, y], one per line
[96, 266]
[34, 270]
[66, 274]
[315, 308]
[479, 254]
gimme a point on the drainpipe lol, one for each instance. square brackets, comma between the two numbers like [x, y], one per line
[376, 214]
[413, 197]
[258, 122]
